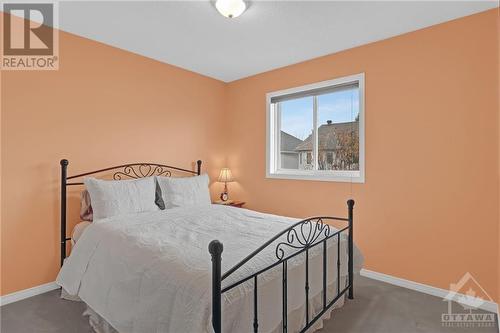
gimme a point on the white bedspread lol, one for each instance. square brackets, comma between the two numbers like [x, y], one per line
[151, 272]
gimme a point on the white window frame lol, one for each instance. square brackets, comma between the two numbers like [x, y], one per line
[273, 137]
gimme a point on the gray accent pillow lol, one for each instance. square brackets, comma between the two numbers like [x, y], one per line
[158, 199]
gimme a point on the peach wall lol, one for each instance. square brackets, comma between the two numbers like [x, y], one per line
[428, 211]
[1, 185]
[431, 109]
[498, 106]
[103, 107]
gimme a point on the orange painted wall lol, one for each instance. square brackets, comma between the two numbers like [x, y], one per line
[498, 105]
[104, 106]
[428, 211]
[431, 109]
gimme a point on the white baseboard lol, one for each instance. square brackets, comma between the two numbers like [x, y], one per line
[423, 288]
[26, 293]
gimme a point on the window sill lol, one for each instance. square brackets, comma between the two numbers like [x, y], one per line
[342, 177]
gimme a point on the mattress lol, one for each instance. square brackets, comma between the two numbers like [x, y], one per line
[151, 272]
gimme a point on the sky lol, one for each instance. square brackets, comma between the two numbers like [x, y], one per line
[297, 115]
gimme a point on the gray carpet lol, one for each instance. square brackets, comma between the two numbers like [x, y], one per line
[377, 308]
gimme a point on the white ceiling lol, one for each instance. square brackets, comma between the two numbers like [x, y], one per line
[270, 34]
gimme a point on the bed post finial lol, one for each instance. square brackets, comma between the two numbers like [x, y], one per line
[64, 166]
[198, 167]
[350, 216]
[215, 248]
[350, 204]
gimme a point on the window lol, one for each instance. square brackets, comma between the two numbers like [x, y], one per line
[316, 131]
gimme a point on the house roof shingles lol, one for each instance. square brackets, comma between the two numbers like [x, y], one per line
[289, 142]
[327, 135]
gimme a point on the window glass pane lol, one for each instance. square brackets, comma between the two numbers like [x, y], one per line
[338, 130]
[296, 134]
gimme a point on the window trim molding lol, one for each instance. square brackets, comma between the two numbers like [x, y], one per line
[272, 144]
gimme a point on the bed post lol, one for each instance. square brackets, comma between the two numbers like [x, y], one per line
[198, 167]
[215, 248]
[64, 166]
[350, 206]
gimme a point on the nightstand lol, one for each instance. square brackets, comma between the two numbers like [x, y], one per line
[232, 203]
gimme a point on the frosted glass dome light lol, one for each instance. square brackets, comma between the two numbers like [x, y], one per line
[230, 8]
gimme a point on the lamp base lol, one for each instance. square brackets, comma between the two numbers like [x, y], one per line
[224, 196]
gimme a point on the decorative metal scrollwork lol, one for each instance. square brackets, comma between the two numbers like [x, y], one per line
[303, 235]
[135, 171]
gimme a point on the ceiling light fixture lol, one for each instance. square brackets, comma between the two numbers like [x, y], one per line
[230, 8]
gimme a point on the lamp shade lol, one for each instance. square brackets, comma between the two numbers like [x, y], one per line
[225, 175]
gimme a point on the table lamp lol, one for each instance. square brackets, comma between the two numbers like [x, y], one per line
[225, 177]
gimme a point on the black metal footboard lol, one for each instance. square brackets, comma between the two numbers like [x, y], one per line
[301, 236]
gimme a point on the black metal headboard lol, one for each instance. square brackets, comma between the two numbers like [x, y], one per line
[121, 172]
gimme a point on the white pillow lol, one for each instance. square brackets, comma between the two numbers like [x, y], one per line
[184, 192]
[120, 197]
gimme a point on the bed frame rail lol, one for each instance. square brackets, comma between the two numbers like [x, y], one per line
[301, 236]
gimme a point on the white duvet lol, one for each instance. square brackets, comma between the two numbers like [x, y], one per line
[151, 272]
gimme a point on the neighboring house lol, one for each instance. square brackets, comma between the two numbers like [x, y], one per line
[289, 156]
[338, 146]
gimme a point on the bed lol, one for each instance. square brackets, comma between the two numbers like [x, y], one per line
[210, 268]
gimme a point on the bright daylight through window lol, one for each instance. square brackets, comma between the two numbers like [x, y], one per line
[317, 131]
